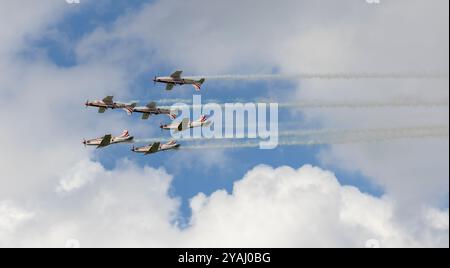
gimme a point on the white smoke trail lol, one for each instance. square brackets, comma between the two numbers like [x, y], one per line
[332, 105]
[362, 104]
[328, 76]
[325, 136]
[344, 137]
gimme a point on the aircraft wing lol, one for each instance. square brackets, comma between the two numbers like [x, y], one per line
[176, 75]
[151, 105]
[169, 86]
[145, 116]
[101, 110]
[128, 110]
[154, 148]
[108, 100]
[183, 125]
[105, 142]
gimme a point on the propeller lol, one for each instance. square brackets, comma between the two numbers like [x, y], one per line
[86, 103]
[161, 126]
[154, 81]
[85, 143]
[133, 149]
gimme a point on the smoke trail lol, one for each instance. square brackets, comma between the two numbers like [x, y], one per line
[331, 105]
[325, 136]
[344, 137]
[369, 132]
[361, 104]
[328, 76]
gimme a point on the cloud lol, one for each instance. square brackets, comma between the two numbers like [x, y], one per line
[82, 174]
[127, 206]
[410, 182]
[11, 217]
[283, 207]
[307, 207]
[34, 17]
[438, 219]
[46, 101]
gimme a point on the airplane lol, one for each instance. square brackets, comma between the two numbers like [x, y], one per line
[109, 139]
[108, 103]
[186, 124]
[150, 109]
[176, 79]
[156, 147]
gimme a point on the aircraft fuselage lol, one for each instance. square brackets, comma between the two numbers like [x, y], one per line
[194, 124]
[114, 140]
[162, 147]
[174, 81]
[100, 104]
[151, 110]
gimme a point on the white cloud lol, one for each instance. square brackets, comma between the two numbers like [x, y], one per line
[284, 207]
[298, 208]
[11, 217]
[25, 18]
[412, 180]
[438, 219]
[81, 175]
[42, 141]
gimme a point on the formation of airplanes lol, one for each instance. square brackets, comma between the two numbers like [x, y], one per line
[147, 111]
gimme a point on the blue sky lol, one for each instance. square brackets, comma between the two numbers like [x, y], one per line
[192, 179]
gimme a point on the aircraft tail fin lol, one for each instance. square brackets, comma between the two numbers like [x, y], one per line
[125, 134]
[202, 119]
[172, 116]
[198, 84]
[172, 142]
[129, 110]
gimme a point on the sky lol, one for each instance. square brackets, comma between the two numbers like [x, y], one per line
[54, 56]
